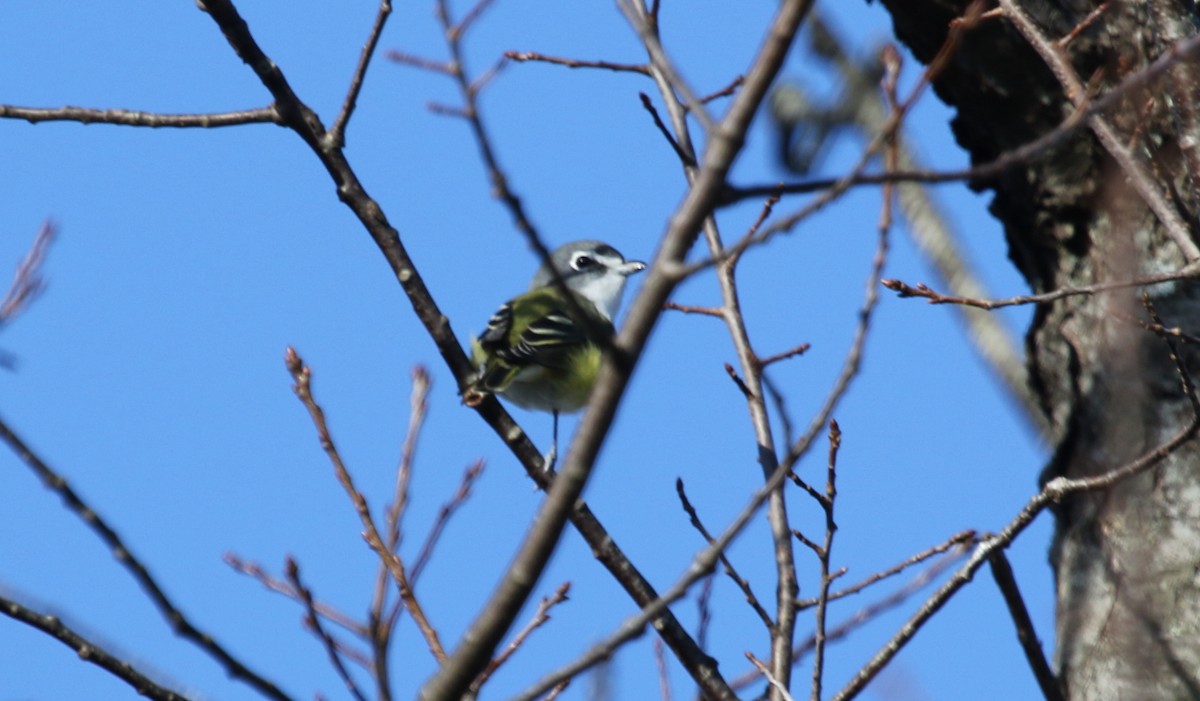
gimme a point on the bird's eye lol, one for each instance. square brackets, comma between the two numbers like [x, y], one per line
[583, 262]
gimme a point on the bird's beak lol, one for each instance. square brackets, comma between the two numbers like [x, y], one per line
[630, 267]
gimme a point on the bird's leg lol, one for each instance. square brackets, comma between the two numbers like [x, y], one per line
[549, 459]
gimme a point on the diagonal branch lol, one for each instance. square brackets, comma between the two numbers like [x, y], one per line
[313, 619]
[337, 133]
[182, 626]
[28, 282]
[88, 651]
[1026, 635]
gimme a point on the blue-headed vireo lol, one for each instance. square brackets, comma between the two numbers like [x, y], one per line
[542, 350]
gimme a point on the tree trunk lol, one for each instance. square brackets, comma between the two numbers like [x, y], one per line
[1127, 560]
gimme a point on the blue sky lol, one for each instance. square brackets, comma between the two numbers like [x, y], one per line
[151, 372]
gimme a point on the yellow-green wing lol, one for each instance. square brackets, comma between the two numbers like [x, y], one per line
[546, 334]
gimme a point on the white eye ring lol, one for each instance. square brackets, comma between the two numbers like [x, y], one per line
[583, 261]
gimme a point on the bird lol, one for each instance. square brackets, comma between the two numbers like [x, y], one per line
[542, 350]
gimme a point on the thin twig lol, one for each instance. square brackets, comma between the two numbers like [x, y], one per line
[337, 133]
[137, 118]
[1088, 21]
[686, 158]
[28, 281]
[259, 573]
[660, 664]
[456, 69]
[851, 363]
[469, 18]
[636, 14]
[381, 623]
[443, 67]
[725, 91]
[839, 186]
[824, 556]
[864, 615]
[775, 683]
[313, 620]
[302, 377]
[690, 309]
[1026, 635]
[934, 297]
[739, 382]
[704, 610]
[957, 540]
[1161, 330]
[738, 580]
[447, 510]
[523, 56]
[540, 617]
[789, 353]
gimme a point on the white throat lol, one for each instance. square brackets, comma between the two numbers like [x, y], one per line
[604, 292]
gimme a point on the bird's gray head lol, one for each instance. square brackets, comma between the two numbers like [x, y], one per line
[594, 269]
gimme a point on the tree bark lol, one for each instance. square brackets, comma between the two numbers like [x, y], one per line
[1126, 560]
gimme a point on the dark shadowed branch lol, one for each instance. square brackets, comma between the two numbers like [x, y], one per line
[89, 651]
[1026, 635]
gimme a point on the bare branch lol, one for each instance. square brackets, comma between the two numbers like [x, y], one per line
[689, 309]
[1026, 635]
[540, 617]
[684, 157]
[259, 573]
[524, 56]
[136, 118]
[725, 91]
[660, 664]
[789, 353]
[28, 281]
[460, 497]
[472, 15]
[443, 67]
[741, 384]
[766, 672]
[1181, 52]
[867, 613]
[337, 133]
[958, 540]
[302, 377]
[738, 580]
[178, 622]
[313, 620]
[635, 13]
[456, 69]
[89, 651]
[934, 297]
[824, 555]
[1078, 29]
